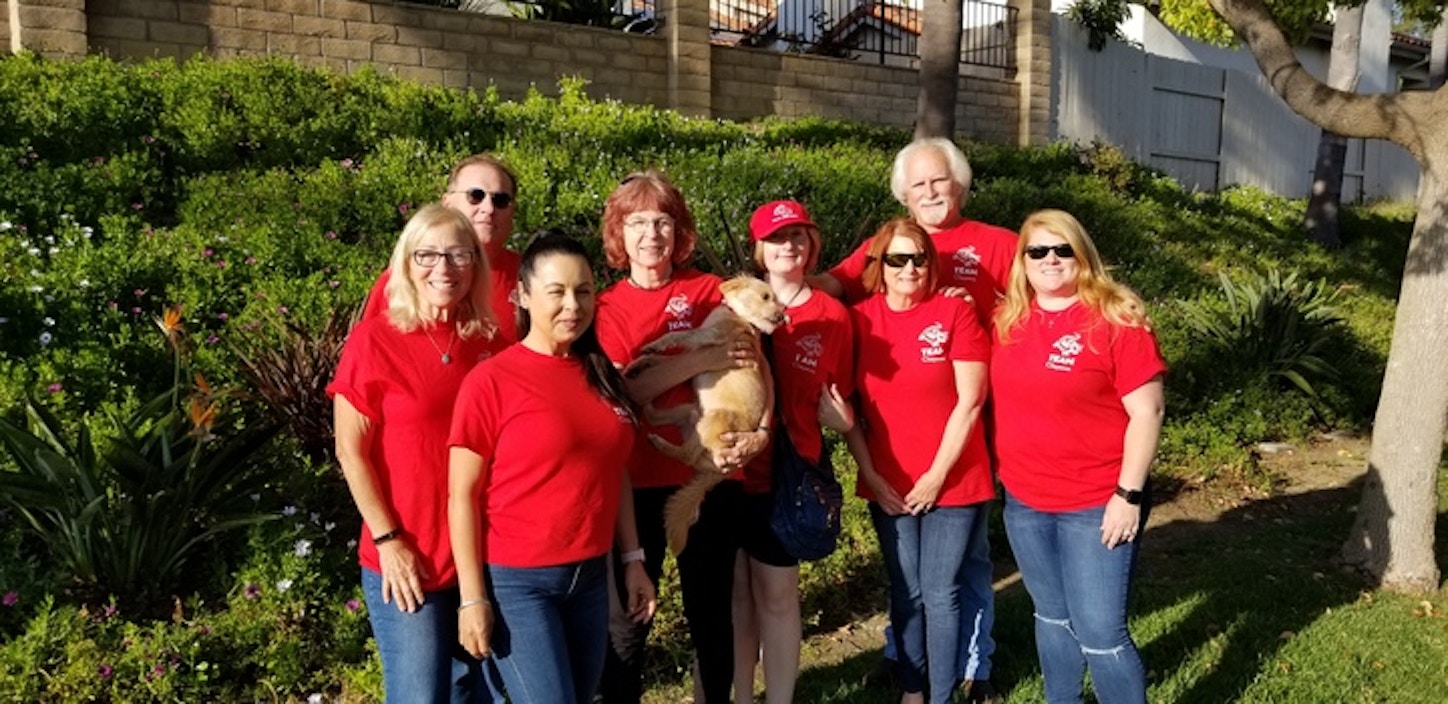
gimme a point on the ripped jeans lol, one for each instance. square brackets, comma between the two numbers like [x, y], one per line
[1079, 589]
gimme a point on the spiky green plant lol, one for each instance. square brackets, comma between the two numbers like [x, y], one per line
[1272, 324]
[123, 512]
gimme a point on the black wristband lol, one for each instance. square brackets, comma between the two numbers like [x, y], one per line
[1132, 496]
[393, 534]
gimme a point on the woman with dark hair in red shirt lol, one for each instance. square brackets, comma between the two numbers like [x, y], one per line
[538, 491]
[393, 397]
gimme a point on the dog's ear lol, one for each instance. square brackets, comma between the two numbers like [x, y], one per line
[733, 285]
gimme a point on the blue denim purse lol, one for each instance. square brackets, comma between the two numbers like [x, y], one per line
[807, 497]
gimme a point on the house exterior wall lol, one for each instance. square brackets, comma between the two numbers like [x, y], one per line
[677, 68]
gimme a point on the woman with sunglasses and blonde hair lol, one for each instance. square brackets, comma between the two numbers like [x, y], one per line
[921, 378]
[484, 190]
[1076, 379]
[392, 397]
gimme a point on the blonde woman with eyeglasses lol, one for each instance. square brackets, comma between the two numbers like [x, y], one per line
[392, 398]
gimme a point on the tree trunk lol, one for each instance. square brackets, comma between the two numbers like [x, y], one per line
[1393, 535]
[1392, 538]
[1342, 73]
[1438, 53]
[939, 69]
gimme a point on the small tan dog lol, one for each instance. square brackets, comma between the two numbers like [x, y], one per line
[729, 400]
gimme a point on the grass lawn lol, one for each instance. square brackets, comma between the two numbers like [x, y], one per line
[1241, 604]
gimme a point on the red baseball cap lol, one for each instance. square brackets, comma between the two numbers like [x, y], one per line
[770, 217]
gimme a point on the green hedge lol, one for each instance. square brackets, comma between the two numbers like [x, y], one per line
[251, 192]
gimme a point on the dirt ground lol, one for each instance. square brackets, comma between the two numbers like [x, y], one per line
[1324, 462]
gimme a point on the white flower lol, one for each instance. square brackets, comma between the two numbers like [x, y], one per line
[34, 251]
[36, 289]
[284, 584]
[302, 547]
[316, 518]
[46, 338]
[87, 230]
[256, 497]
[54, 251]
[48, 321]
[329, 525]
[315, 699]
[50, 239]
[5, 225]
[352, 544]
[4, 320]
[85, 283]
[289, 511]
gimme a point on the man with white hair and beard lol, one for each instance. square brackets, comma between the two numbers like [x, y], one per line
[931, 178]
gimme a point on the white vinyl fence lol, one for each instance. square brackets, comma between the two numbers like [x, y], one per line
[1209, 127]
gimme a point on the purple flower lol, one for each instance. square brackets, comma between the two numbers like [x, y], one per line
[54, 388]
[212, 339]
[403, 208]
[282, 310]
[136, 310]
[147, 139]
[252, 591]
[353, 605]
[334, 283]
[109, 611]
[11, 598]
[136, 206]
[251, 260]
[105, 671]
[111, 304]
[346, 163]
[223, 316]
[331, 235]
[208, 253]
[221, 263]
[159, 669]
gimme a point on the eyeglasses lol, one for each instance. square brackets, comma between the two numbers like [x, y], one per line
[1039, 251]
[458, 258]
[897, 260]
[663, 224]
[475, 196]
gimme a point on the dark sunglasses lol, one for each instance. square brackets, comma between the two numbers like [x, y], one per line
[475, 196]
[898, 260]
[1039, 251]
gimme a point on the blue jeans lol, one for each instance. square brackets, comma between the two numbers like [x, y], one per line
[551, 630]
[924, 556]
[421, 657]
[1079, 589]
[977, 604]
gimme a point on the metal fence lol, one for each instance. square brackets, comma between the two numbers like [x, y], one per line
[864, 30]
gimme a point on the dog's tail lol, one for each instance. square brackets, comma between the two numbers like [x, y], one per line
[682, 509]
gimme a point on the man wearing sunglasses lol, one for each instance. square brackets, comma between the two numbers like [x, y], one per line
[931, 178]
[482, 188]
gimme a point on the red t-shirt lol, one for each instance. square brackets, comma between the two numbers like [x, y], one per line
[630, 317]
[553, 451]
[972, 254]
[906, 380]
[1056, 389]
[813, 349]
[503, 274]
[398, 382]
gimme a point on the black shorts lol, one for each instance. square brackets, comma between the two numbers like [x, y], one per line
[757, 538]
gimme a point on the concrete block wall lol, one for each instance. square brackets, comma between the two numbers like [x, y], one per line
[425, 44]
[678, 68]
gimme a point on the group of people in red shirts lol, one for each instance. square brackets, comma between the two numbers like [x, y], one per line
[513, 507]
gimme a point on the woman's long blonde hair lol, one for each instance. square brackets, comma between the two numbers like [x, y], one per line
[403, 308]
[1114, 302]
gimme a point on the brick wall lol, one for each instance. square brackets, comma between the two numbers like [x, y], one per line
[676, 68]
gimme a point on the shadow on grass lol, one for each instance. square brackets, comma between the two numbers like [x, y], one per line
[1247, 582]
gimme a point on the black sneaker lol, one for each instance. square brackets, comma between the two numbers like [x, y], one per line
[980, 691]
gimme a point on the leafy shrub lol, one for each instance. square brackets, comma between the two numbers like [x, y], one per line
[121, 515]
[1273, 325]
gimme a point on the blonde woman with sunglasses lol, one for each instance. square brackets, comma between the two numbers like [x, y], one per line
[1076, 379]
